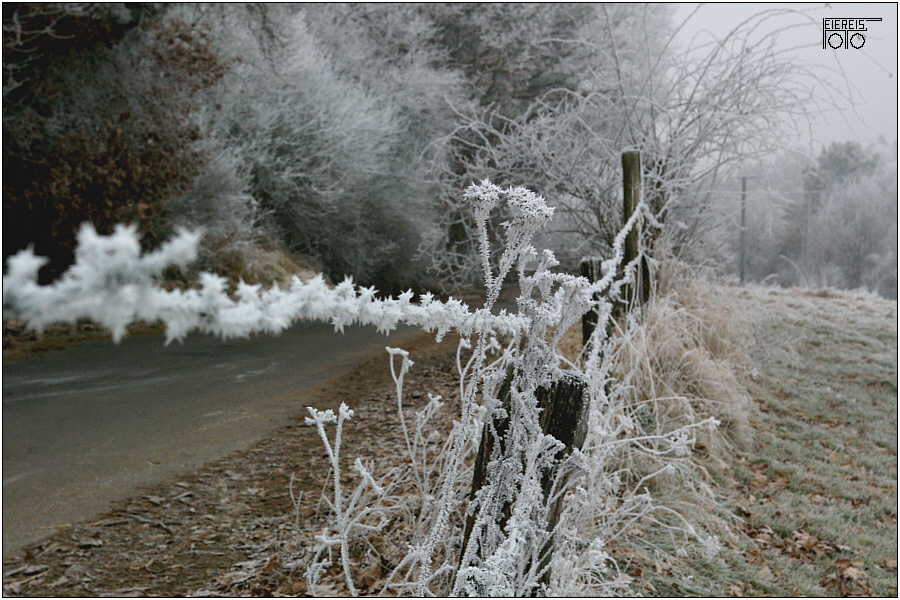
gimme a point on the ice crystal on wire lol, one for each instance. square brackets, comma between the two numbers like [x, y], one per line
[114, 285]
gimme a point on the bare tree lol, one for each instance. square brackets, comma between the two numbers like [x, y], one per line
[692, 112]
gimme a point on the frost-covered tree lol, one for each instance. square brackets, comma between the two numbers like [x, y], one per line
[691, 111]
[854, 224]
[327, 114]
[511, 53]
[814, 221]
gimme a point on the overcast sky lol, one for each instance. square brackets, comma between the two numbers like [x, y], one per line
[872, 69]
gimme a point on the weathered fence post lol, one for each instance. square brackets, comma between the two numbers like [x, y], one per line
[564, 404]
[564, 415]
[639, 290]
[590, 270]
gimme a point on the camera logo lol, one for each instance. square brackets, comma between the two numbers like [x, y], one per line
[844, 33]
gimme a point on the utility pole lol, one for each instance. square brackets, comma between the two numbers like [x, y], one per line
[743, 224]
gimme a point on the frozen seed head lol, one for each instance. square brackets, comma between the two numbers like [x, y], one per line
[528, 206]
[483, 197]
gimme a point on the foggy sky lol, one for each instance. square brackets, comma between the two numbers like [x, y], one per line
[872, 70]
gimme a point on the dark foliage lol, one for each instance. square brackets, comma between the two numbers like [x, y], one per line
[100, 131]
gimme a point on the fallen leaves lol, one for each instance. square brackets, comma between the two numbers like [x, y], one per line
[228, 529]
[24, 574]
[738, 589]
[372, 577]
[85, 543]
[800, 545]
[767, 482]
[25, 570]
[847, 578]
[805, 545]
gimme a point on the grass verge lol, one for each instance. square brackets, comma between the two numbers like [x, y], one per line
[810, 497]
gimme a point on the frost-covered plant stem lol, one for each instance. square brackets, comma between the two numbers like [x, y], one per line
[405, 364]
[319, 418]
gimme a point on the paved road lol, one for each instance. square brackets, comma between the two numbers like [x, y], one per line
[87, 425]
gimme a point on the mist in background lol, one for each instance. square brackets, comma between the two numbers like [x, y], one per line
[863, 83]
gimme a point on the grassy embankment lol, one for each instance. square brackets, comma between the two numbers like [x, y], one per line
[801, 483]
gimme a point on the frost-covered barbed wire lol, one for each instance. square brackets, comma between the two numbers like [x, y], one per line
[114, 285]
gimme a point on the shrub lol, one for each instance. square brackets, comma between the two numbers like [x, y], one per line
[111, 141]
[327, 123]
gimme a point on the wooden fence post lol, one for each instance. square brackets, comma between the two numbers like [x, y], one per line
[590, 270]
[639, 291]
[564, 415]
[564, 404]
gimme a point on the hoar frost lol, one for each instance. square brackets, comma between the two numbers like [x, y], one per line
[112, 283]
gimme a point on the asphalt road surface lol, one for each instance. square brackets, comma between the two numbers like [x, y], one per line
[89, 424]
